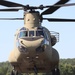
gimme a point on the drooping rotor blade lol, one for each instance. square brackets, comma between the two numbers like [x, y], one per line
[11, 18]
[59, 20]
[10, 4]
[64, 5]
[53, 8]
[11, 9]
[60, 5]
[8, 10]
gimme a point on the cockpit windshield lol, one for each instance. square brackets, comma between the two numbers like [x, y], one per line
[31, 33]
[23, 34]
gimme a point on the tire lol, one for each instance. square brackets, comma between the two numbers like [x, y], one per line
[56, 71]
[14, 72]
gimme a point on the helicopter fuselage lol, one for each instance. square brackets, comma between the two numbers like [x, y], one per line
[33, 49]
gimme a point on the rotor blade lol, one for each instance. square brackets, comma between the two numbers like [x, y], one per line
[10, 4]
[64, 5]
[11, 18]
[8, 9]
[53, 8]
[60, 5]
[59, 20]
[12, 9]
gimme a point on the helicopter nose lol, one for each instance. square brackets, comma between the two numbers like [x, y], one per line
[31, 43]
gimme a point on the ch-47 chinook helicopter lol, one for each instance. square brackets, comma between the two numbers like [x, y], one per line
[33, 50]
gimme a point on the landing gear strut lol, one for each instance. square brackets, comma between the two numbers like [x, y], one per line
[35, 70]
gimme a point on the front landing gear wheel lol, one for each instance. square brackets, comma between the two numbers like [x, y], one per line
[56, 71]
[14, 72]
[53, 72]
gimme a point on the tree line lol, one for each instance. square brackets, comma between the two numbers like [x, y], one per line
[67, 67]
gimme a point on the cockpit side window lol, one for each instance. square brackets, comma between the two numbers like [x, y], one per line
[39, 33]
[46, 34]
[23, 34]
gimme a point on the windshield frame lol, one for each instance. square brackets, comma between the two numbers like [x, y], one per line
[28, 33]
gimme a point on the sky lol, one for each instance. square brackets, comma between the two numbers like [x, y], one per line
[66, 44]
